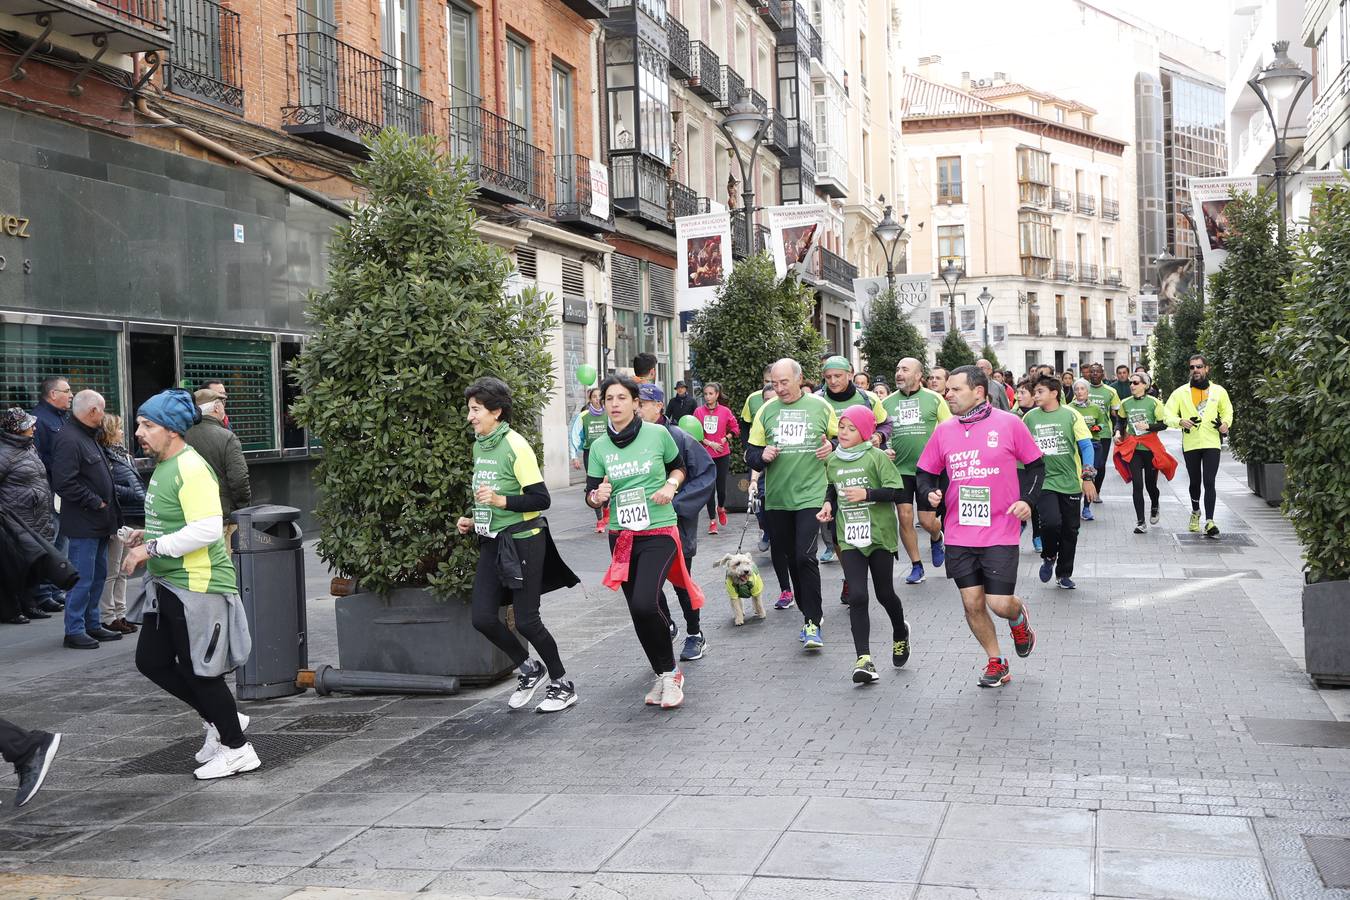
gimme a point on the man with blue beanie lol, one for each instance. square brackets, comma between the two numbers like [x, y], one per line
[194, 625]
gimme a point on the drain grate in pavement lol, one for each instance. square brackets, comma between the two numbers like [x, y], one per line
[273, 749]
[19, 840]
[1226, 539]
[1245, 574]
[1299, 732]
[348, 723]
[1331, 855]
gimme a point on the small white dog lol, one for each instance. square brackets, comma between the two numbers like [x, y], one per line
[743, 581]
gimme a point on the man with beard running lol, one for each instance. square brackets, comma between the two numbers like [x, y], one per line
[1203, 411]
[978, 449]
[789, 442]
[914, 412]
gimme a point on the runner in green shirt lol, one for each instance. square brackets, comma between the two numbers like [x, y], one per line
[842, 390]
[864, 487]
[755, 399]
[509, 495]
[789, 442]
[588, 427]
[914, 412]
[1107, 401]
[1066, 445]
[1142, 414]
[636, 469]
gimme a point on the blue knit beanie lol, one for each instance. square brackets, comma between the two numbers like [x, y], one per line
[173, 409]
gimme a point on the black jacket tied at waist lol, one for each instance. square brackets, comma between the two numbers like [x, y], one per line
[510, 569]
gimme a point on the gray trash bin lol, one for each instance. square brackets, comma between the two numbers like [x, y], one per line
[269, 557]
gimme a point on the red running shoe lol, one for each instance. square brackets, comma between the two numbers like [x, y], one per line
[722, 514]
[1024, 637]
[712, 527]
[995, 674]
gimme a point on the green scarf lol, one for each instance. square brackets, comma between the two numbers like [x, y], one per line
[854, 454]
[490, 440]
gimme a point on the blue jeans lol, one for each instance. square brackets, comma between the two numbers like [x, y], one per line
[89, 556]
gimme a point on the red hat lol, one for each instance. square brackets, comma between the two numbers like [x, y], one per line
[863, 419]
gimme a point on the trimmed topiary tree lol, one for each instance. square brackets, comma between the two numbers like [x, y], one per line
[889, 336]
[987, 352]
[754, 320]
[415, 310]
[1245, 297]
[954, 352]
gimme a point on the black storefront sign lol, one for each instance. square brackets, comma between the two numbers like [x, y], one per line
[574, 310]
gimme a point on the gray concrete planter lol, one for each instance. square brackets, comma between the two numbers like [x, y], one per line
[1326, 632]
[413, 633]
[1254, 478]
[1272, 483]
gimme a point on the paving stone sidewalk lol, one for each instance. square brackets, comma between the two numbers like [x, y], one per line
[1123, 759]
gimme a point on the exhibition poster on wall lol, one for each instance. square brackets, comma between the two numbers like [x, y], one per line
[794, 233]
[1209, 199]
[703, 258]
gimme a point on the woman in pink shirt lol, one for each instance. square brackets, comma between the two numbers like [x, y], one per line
[719, 423]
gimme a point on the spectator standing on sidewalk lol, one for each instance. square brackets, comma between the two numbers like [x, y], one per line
[223, 394]
[221, 449]
[681, 404]
[131, 500]
[24, 492]
[89, 516]
[52, 412]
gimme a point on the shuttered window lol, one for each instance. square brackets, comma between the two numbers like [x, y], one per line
[29, 353]
[661, 291]
[245, 368]
[627, 283]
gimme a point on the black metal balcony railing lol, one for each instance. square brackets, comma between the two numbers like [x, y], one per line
[683, 201]
[797, 29]
[640, 186]
[1110, 328]
[206, 62]
[146, 13]
[1085, 326]
[1063, 271]
[341, 94]
[733, 86]
[1061, 326]
[677, 36]
[705, 75]
[777, 139]
[1111, 275]
[499, 158]
[573, 197]
[771, 11]
[1087, 273]
[1063, 200]
[835, 269]
[1087, 204]
[1110, 209]
[758, 102]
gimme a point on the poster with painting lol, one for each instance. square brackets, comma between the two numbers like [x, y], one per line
[703, 251]
[1210, 198]
[794, 233]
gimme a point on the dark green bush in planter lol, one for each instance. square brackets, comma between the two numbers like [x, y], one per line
[954, 352]
[415, 310]
[1309, 388]
[755, 320]
[1245, 300]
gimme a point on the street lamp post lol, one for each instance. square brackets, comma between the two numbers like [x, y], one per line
[888, 233]
[744, 123]
[985, 299]
[951, 276]
[1281, 80]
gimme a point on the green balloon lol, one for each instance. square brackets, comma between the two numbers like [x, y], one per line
[693, 427]
[586, 374]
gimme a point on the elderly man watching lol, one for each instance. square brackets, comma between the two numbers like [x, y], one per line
[89, 516]
[221, 449]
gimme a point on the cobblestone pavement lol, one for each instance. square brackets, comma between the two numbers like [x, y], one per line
[1123, 759]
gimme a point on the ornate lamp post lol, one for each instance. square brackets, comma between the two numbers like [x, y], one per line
[889, 233]
[744, 123]
[1281, 80]
[951, 276]
[985, 299]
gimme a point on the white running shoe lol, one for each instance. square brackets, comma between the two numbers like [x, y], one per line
[526, 684]
[211, 746]
[229, 762]
[672, 689]
[559, 696]
[653, 697]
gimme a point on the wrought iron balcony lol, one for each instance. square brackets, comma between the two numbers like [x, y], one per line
[1063, 270]
[1061, 326]
[835, 269]
[1111, 275]
[771, 11]
[1087, 273]
[1063, 200]
[758, 102]
[639, 186]
[206, 63]
[114, 27]
[797, 29]
[759, 237]
[574, 199]
[1087, 204]
[705, 75]
[777, 139]
[341, 95]
[506, 167]
[681, 66]
[145, 13]
[683, 201]
[733, 86]
[1085, 326]
[1110, 328]
[1110, 209]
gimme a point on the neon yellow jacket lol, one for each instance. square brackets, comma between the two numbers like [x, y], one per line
[751, 588]
[1218, 409]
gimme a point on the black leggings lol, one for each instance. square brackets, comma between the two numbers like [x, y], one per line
[1101, 451]
[17, 744]
[718, 498]
[585, 467]
[1059, 529]
[792, 533]
[164, 655]
[1202, 466]
[489, 595]
[1143, 475]
[651, 559]
[882, 566]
